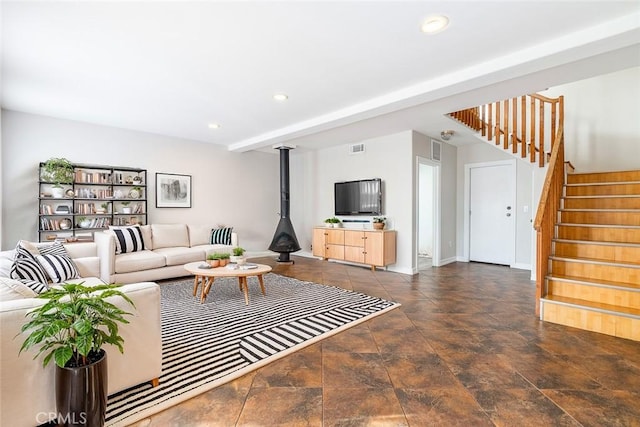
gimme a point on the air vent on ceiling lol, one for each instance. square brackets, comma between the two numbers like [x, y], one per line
[356, 148]
[435, 150]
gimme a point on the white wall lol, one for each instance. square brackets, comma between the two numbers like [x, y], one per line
[387, 157]
[236, 189]
[602, 129]
[484, 152]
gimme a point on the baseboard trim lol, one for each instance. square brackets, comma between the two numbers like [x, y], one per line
[521, 266]
[447, 261]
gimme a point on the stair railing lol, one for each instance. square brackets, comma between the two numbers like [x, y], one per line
[519, 122]
[547, 213]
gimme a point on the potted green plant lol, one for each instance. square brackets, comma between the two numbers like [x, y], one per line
[214, 260]
[125, 207]
[57, 171]
[103, 208]
[332, 222]
[224, 259]
[71, 328]
[237, 256]
[83, 222]
[379, 222]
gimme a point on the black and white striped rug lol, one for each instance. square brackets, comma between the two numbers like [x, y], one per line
[206, 345]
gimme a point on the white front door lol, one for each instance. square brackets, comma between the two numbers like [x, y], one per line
[492, 214]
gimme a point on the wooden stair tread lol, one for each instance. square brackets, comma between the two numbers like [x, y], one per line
[578, 224]
[594, 261]
[603, 196]
[631, 287]
[598, 242]
[599, 210]
[595, 306]
[611, 176]
[586, 184]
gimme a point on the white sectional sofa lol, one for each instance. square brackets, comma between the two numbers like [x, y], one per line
[167, 248]
[27, 396]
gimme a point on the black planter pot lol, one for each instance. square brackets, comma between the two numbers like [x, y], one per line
[81, 393]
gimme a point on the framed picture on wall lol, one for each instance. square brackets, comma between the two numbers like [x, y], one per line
[173, 190]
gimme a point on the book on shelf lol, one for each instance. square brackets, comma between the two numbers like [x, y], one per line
[90, 177]
[137, 208]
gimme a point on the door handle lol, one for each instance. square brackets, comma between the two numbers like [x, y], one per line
[508, 214]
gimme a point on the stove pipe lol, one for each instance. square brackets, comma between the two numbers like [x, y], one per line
[284, 240]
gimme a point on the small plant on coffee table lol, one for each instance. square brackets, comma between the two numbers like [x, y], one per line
[214, 259]
[224, 259]
[238, 257]
[238, 251]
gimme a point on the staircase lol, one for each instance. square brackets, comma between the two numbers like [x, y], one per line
[587, 225]
[594, 266]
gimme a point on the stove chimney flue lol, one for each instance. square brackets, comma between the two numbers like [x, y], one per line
[284, 240]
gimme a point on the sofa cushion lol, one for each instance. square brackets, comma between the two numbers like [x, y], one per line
[86, 281]
[137, 261]
[169, 235]
[128, 239]
[221, 236]
[199, 234]
[58, 267]
[6, 261]
[179, 256]
[11, 289]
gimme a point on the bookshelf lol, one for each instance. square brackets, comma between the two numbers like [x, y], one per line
[97, 197]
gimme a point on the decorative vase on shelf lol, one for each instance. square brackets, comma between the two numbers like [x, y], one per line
[57, 192]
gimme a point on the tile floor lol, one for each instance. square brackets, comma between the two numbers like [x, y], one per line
[465, 349]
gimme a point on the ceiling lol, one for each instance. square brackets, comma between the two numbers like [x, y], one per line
[352, 69]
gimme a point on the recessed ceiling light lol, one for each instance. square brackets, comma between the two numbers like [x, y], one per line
[280, 97]
[434, 24]
[214, 126]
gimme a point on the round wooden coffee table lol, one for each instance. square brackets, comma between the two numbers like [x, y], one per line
[206, 276]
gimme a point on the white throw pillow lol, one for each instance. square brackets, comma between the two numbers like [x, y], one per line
[11, 289]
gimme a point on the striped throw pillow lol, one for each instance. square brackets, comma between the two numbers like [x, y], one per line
[34, 285]
[59, 268]
[128, 239]
[28, 269]
[53, 249]
[23, 252]
[221, 236]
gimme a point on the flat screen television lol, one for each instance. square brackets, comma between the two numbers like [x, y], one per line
[363, 197]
